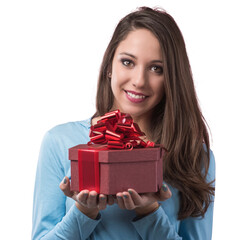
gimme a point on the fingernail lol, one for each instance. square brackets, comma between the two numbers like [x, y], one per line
[130, 191]
[102, 198]
[92, 195]
[119, 197]
[64, 180]
[125, 196]
[164, 187]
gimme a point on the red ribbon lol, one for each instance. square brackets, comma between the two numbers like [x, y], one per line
[88, 170]
[118, 131]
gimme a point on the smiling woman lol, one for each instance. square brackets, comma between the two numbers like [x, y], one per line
[176, 121]
[145, 72]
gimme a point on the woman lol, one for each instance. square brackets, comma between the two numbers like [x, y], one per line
[145, 72]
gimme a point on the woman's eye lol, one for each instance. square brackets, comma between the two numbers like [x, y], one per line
[157, 69]
[127, 63]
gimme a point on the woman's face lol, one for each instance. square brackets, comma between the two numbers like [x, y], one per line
[137, 79]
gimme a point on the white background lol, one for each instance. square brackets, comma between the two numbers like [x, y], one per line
[50, 54]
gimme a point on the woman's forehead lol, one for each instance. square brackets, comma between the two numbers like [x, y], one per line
[140, 42]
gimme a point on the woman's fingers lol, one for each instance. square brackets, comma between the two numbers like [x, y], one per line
[82, 197]
[165, 193]
[120, 201]
[125, 201]
[92, 199]
[128, 202]
[131, 199]
[136, 198]
[102, 202]
[65, 187]
[88, 199]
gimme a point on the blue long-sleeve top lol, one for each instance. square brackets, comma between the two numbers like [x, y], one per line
[55, 216]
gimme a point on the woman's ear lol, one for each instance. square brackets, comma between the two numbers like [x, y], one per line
[109, 72]
[109, 75]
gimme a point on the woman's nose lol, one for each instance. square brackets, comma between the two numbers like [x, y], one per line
[139, 78]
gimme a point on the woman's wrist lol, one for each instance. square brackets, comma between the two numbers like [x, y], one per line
[144, 211]
[89, 212]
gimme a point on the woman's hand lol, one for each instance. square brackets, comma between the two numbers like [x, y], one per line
[143, 204]
[88, 202]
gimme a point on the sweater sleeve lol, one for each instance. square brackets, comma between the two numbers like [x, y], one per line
[50, 220]
[156, 226]
[190, 228]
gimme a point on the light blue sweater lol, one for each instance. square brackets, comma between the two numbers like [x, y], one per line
[56, 216]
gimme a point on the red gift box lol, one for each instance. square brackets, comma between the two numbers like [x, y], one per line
[110, 171]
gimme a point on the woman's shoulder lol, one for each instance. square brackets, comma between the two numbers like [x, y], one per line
[69, 133]
[211, 169]
[211, 156]
[71, 127]
[211, 165]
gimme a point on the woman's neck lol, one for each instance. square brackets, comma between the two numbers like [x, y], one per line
[144, 124]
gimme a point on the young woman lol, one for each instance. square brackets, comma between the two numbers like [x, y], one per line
[145, 72]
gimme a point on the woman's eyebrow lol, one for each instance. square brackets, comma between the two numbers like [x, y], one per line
[157, 61]
[131, 55]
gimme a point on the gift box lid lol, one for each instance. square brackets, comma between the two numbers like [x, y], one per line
[118, 156]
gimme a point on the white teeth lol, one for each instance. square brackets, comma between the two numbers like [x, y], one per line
[135, 96]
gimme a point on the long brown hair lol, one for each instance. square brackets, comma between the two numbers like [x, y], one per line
[177, 121]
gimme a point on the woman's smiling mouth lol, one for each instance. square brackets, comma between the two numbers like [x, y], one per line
[135, 97]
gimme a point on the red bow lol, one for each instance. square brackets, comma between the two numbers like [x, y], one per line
[118, 131]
